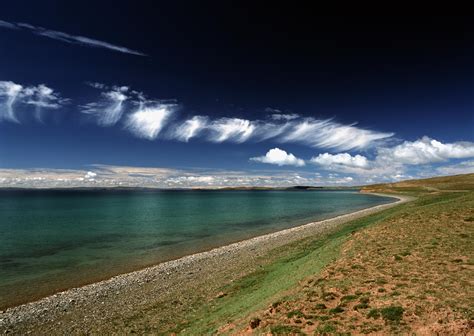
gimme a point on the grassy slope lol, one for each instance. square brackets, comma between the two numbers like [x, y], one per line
[297, 262]
[457, 183]
[405, 269]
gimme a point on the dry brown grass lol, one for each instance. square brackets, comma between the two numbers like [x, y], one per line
[411, 274]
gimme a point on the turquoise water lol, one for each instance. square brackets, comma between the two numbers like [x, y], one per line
[53, 240]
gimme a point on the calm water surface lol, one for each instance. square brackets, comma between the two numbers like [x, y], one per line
[53, 240]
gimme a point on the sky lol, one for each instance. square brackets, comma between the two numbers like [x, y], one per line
[193, 95]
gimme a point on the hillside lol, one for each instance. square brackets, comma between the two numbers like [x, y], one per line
[407, 270]
[456, 183]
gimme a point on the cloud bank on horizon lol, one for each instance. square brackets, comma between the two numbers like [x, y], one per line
[67, 38]
[116, 176]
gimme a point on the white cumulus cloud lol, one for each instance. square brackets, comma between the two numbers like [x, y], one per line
[400, 161]
[90, 175]
[279, 157]
[426, 150]
[343, 159]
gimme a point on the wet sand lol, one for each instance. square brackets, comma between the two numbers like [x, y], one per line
[162, 290]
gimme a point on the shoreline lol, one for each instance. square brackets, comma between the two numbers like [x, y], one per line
[165, 278]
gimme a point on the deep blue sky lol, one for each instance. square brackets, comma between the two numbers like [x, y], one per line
[413, 76]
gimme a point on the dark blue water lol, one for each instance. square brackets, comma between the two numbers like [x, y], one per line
[52, 240]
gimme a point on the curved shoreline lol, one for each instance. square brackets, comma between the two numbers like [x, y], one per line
[162, 279]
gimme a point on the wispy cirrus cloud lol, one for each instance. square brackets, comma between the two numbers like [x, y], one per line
[109, 109]
[148, 122]
[307, 131]
[142, 116]
[40, 97]
[68, 38]
[116, 101]
[230, 129]
[5, 24]
[43, 97]
[188, 129]
[10, 92]
[284, 116]
[330, 134]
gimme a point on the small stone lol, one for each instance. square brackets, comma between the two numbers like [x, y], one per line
[254, 323]
[221, 295]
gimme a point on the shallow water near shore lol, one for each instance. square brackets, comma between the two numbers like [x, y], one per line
[53, 240]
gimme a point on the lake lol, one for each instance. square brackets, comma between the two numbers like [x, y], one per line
[52, 240]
